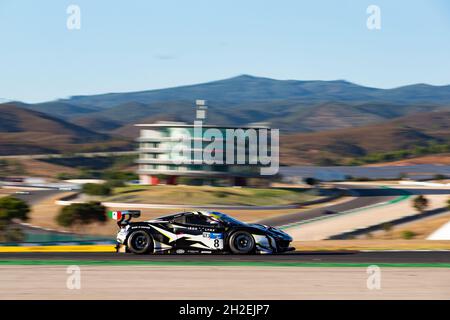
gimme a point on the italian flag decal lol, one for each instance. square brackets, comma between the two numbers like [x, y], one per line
[116, 215]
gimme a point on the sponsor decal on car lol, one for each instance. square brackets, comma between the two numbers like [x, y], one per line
[212, 235]
[116, 215]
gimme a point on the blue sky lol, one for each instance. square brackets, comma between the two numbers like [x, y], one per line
[140, 45]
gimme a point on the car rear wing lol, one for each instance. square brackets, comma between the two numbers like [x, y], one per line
[123, 217]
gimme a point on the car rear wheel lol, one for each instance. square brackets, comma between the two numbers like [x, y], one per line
[242, 242]
[140, 242]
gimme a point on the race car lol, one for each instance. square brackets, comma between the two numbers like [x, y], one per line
[196, 232]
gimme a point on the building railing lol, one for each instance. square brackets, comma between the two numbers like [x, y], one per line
[197, 172]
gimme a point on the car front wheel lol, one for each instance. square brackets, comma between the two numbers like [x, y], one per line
[242, 242]
[140, 242]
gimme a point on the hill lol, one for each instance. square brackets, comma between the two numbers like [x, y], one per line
[291, 105]
[404, 137]
[60, 109]
[247, 88]
[287, 116]
[320, 121]
[436, 159]
[25, 131]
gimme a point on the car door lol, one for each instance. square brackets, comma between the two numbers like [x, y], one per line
[197, 231]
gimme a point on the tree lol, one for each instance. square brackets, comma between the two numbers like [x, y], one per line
[97, 189]
[81, 214]
[420, 203]
[11, 233]
[13, 208]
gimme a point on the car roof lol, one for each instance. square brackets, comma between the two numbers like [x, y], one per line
[173, 215]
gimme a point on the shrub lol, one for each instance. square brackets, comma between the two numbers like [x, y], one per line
[360, 179]
[13, 208]
[11, 233]
[190, 181]
[221, 194]
[14, 234]
[310, 181]
[64, 176]
[420, 203]
[408, 234]
[81, 214]
[387, 227]
[96, 189]
[120, 175]
[115, 183]
[324, 161]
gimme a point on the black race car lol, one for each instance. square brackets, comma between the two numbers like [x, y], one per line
[196, 232]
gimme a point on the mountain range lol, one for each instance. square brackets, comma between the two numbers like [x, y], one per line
[312, 108]
[291, 105]
[246, 88]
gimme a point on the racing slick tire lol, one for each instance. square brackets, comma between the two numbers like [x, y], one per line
[242, 242]
[140, 242]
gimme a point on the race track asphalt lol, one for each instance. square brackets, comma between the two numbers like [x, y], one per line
[364, 196]
[425, 257]
[37, 196]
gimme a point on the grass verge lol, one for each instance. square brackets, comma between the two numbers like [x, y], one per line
[219, 263]
[208, 195]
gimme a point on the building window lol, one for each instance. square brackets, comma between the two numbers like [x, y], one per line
[145, 156]
[147, 145]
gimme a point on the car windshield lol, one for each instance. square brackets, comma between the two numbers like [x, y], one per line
[168, 217]
[225, 218]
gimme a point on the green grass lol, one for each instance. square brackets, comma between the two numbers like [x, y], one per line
[430, 149]
[221, 263]
[206, 195]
